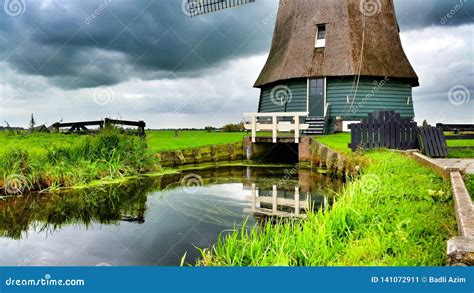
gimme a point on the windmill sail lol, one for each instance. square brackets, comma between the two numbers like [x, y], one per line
[199, 7]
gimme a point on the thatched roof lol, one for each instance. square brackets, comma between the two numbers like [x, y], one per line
[293, 54]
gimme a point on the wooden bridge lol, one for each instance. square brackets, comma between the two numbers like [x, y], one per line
[84, 126]
[276, 123]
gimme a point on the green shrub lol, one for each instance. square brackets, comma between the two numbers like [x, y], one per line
[109, 154]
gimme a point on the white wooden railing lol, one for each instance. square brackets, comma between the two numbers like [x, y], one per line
[276, 124]
[296, 203]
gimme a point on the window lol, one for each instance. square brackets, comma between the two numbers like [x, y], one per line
[321, 36]
[322, 32]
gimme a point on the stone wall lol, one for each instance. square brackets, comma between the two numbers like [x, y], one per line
[324, 158]
[461, 249]
[207, 154]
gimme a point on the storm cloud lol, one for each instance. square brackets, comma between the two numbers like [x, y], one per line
[156, 60]
[91, 43]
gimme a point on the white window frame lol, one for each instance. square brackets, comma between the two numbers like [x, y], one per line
[320, 43]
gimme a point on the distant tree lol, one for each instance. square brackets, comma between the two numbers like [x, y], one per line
[242, 125]
[425, 123]
[8, 124]
[209, 128]
[233, 127]
[32, 122]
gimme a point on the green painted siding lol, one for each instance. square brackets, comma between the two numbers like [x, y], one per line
[373, 95]
[297, 93]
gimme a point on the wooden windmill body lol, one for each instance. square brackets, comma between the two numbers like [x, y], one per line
[338, 60]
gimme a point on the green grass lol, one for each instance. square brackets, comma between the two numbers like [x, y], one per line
[339, 142]
[460, 142]
[470, 185]
[397, 213]
[165, 140]
[468, 152]
[59, 160]
[41, 161]
[461, 154]
[38, 143]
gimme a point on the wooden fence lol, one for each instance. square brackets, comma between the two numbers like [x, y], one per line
[432, 142]
[385, 129]
[457, 129]
[82, 127]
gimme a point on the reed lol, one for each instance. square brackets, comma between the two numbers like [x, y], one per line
[75, 160]
[396, 213]
[470, 184]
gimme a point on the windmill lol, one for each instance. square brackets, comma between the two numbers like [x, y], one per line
[337, 60]
[199, 7]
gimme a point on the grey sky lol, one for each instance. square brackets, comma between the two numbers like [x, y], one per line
[146, 59]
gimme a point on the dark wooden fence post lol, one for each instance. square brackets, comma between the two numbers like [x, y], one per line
[384, 129]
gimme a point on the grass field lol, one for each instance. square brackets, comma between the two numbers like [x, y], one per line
[59, 160]
[157, 140]
[396, 214]
[41, 161]
[165, 140]
[461, 153]
[339, 142]
[460, 142]
[65, 160]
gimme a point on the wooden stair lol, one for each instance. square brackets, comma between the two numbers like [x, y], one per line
[317, 126]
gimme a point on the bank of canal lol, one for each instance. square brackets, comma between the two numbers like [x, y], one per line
[151, 221]
[396, 213]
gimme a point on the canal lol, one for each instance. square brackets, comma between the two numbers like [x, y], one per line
[154, 221]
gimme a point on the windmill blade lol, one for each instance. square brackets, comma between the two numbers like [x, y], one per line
[199, 7]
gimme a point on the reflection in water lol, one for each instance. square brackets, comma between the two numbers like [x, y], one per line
[280, 206]
[153, 221]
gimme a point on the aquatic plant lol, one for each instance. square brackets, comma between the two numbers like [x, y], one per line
[390, 216]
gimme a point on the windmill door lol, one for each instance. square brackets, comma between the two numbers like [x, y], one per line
[316, 97]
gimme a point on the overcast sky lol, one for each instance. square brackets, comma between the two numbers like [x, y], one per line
[147, 60]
